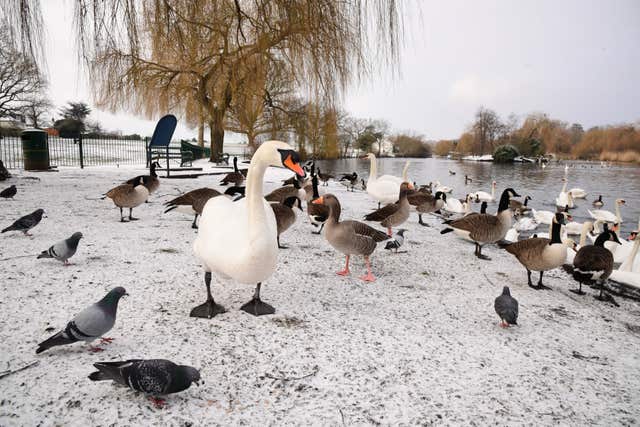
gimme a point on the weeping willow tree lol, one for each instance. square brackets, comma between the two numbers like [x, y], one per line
[196, 56]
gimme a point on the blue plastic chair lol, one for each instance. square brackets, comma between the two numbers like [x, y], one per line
[162, 138]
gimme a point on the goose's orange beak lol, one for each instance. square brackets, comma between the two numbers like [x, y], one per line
[411, 187]
[295, 167]
[318, 201]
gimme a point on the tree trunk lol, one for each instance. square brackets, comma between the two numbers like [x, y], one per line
[201, 132]
[251, 141]
[216, 127]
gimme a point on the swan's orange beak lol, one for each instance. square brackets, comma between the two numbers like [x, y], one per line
[295, 167]
[318, 201]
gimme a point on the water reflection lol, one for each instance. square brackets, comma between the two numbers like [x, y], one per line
[542, 184]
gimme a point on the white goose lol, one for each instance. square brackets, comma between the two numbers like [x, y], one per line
[607, 216]
[385, 188]
[483, 196]
[238, 239]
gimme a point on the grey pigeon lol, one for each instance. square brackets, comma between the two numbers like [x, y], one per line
[63, 250]
[397, 241]
[90, 324]
[155, 377]
[26, 223]
[507, 308]
[8, 193]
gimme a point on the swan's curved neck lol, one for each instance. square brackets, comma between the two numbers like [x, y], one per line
[583, 235]
[618, 213]
[628, 263]
[493, 191]
[255, 200]
[564, 187]
[404, 171]
[373, 171]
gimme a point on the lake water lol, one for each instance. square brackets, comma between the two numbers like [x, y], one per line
[542, 184]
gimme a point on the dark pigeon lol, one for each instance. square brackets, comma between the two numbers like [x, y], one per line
[155, 377]
[90, 324]
[8, 193]
[397, 241]
[507, 308]
[26, 223]
[63, 250]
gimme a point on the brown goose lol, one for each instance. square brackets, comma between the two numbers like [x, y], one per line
[281, 194]
[236, 177]
[192, 202]
[324, 177]
[430, 204]
[285, 216]
[151, 181]
[350, 237]
[540, 254]
[594, 263]
[318, 214]
[485, 228]
[129, 196]
[394, 214]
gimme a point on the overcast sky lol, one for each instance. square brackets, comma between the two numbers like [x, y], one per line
[578, 61]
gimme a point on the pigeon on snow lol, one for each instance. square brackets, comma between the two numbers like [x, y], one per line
[8, 193]
[26, 223]
[507, 308]
[155, 377]
[63, 250]
[88, 325]
[397, 241]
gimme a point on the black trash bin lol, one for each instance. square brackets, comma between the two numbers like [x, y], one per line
[35, 150]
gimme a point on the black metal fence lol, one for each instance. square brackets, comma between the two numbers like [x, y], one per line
[79, 152]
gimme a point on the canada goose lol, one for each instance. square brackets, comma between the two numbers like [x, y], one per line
[318, 214]
[431, 204]
[486, 228]
[480, 196]
[518, 206]
[350, 237]
[280, 194]
[467, 180]
[235, 191]
[285, 216]
[151, 181]
[594, 263]
[540, 254]
[192, 202]
[349, 180]
[606, 216]
[235, 177]
[362, 185]
[506, 308]
[451, 172]
[394, 214]
[290, 181]
[247, 227]
[129, 196]
[324, 177]
[598, 203]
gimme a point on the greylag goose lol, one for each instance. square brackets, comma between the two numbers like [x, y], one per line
[540, 254]
[151, 181]
[506, 307]
[192, 202]
[395, 214]
[129, 196]
[318, 214]
[280, 194]
[235, 177]
[236, 238]
[594, 263]
[350, 237]
[485, 228]
[285, 216]
[430, 204]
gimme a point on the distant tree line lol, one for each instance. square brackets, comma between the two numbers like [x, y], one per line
[538, 134]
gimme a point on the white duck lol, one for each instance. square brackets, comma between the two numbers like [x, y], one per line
[483, 196]
[629, 271]
[238, 239]
[385, 188]
[607, 216]
[543, 217]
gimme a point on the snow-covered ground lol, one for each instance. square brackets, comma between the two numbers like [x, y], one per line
[421, 345]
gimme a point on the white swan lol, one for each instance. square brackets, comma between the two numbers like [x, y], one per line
[483, 196]
[606, 216]
[439, 187]
[578, 193]
[620, 251]
[543, 217]
[238, 239]
[585, 229]
[629, 271]
[573, 228]
[384, 189]
[454, 205]
[564, 198]
[526, 224]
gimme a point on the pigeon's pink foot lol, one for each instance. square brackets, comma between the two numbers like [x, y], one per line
[368, 277]
[157, 402]
[106, 340]
[504, 325]
[344, 272]
[93, 349]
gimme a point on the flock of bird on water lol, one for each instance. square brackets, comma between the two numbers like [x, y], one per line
[251, 225]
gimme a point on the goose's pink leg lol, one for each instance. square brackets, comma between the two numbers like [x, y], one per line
[346, 268]
[369, 276]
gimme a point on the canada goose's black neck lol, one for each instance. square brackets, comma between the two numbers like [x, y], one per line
[504, 202]
[314, 183]
[153, 170]
[526, 200]
[603, 237]
[235, 164]
[555, 233]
